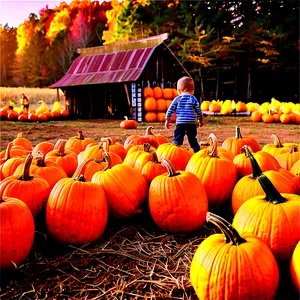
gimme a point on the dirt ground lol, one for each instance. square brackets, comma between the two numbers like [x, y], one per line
[222, 127]
[133, 259]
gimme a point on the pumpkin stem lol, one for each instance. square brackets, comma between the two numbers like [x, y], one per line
[7, 151]
[40, 159]
[78, 174]
[19, 136]
[276, 141]
[247, 150]
[26, 176]
[213, 148]
[256, 170]
[126, 118]
[107, 159]
[108, 140]
[146, 147]
[80, 135]
[154, 157]
[238, 134]
[294, 148]
[272, 194]
[169, 166]
[61, 147]
[231, 235]
[149, 130]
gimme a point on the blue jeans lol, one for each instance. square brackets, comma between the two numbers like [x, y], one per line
[186, 129]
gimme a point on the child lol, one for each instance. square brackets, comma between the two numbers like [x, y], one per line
[188, 114]
[25, 102]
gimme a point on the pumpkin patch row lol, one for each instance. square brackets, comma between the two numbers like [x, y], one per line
[79, 182]
[41, 114]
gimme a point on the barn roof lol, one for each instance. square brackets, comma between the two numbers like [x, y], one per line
[120, 62]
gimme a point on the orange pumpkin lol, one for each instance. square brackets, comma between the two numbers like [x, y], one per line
[150, 104]
[256, 116]
[128, 124]
[287, 160]
[273, 217]
[213, 167]
[45, 147]
[32, 190]
[65, 158]
[76, 211]
[218, 267]
[157, 92]
[277, 147]
[248, 186]
[178, 155]
[78, 143]
[152, 168]
[148, 92]
[234, 144]
[150, 116]
[161, 105]
[21, 141]
[243, 164]
[174, 206]
[126, 190]
[17, 231]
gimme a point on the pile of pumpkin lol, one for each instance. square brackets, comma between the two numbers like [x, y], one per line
[156, 103]
[41, 114]
[267, 112]
[79, 182]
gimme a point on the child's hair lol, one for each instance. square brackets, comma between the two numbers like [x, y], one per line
[185, 84]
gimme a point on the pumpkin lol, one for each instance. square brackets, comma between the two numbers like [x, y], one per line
[148, 92]
[273, 217]
[161, 105]
[243, 165]
[287, 160]
[216, 172]
[76, 211]
[49, 170]
[150, 104]
[240, 106]
[10, 165]
[295, 267]
[256, 116]
[126, 190]
[114, 147]
[174, 206]
[248, 186]
[160, 139]
[178, 155]
[16, 232]
[233, 265]
[134, 148]
[295, 169]
[157, 92]
[91, 166]
[128, 124]
[65, 158]
[45, 147]
[150, 116]
[161, 116]
[167, 93]
[32, 190]
[276, 147]
[152, 168]
[21, 141]
[234, 144]
[79, 142]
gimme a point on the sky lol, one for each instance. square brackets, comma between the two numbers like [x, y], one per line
[15, 13]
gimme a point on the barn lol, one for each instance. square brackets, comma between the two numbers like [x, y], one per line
[107, 82]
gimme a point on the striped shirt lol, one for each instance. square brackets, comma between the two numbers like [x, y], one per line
[187, 109]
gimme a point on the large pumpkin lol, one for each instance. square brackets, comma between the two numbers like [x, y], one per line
[233, 266]
[273, 217]
[32, 190]
[49, 170]
[276, 147]
[235, 144]
[174, 206]
[126, 190]
[178, 155]
[67, 159]
[79, 142]
[243, 165]
[248, 186]
[216, 171]
[16, 232]
[76, 211]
